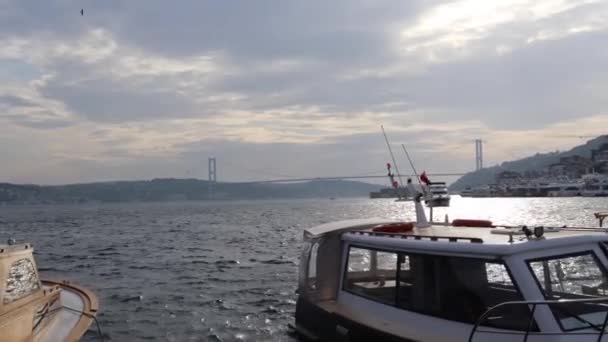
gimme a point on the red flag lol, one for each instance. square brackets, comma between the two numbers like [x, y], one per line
[388, 166]
[395, 184]
[424, 178]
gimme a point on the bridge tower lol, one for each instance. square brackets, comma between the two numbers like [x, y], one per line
[478, 154]
[212, 177]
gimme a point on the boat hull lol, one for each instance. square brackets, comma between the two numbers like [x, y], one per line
[439, 202]
[313, 323]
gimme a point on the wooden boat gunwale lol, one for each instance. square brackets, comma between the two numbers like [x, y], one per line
[89, 311]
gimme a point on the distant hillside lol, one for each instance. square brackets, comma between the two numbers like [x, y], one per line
[176, 189]
[533, 163]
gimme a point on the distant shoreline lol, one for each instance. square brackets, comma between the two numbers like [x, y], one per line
[176, 190]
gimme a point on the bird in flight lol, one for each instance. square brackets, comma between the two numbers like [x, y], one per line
[82, 11]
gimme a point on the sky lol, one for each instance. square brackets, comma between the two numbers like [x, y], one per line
[281, 89]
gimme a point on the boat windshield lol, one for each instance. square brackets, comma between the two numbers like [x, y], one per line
[573, 276]
[22, 281]
[453, 288]
[308, 266]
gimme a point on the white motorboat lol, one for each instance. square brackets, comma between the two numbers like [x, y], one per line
[32, 310]
[469, 280]
[438, 195]
[596, 185]
[480, 191]
[570, 189]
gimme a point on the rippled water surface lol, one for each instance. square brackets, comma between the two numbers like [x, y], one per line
[221, 271]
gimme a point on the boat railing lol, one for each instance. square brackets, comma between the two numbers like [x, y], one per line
[419, 237]
[599, 329]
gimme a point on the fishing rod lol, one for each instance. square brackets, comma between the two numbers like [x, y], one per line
[427, 194]
[392, 156]
[412, 165]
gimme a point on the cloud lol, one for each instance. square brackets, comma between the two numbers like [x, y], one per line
[292, 88]
[15, 101]
[462, 28]
[26, 108]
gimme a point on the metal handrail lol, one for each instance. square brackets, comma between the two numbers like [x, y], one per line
[561, 228]
[419, 237]
[534, 304]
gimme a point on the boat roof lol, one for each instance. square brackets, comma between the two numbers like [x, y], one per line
[494, 241]
[344, 225]
[6, 249]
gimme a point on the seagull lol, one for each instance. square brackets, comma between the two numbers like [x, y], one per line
[82, 11]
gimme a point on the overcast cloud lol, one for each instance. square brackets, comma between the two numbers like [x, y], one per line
[275, 89]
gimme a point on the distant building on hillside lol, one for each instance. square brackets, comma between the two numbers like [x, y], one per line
[599, 158]
[508, 177]
[531, 174]
[600, 154]
[572, 167]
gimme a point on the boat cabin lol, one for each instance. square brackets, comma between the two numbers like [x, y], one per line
[360, 281]
[21, 294]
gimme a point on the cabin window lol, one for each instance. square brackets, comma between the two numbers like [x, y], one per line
[454, 288]
[575, 276]
[497, 274]
[372, 274]
[461, 289]
[22, 280]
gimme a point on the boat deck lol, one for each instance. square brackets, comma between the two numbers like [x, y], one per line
[78, 307]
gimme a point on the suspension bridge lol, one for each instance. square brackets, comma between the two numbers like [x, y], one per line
[288, 180]
[212, 172]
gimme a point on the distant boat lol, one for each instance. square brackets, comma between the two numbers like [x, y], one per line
[404, 199]
[439, 196]
[385, 193]
[567, 189]
[591, 185]
[480, 191]
[595, 185]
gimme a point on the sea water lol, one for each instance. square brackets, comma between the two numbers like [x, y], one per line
[218, 271]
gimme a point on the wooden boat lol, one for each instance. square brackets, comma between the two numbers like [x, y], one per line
[34, 310]
[366, 280]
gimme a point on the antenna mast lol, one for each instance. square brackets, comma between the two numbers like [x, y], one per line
[412, 165]
[392, 156]
[419, 210]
